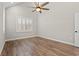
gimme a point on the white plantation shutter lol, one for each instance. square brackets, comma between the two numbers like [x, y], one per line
[23, 24]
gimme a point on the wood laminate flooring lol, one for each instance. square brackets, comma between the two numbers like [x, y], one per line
[37, 46]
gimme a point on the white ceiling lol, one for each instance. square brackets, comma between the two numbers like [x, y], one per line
[9, 4]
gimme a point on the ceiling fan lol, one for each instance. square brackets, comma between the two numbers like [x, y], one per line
[39, 7]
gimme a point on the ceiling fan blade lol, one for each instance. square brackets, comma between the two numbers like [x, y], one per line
[40, 11]
[33, 10]
[45, 8]
[30, 7]
[36, 4]
[44, 4]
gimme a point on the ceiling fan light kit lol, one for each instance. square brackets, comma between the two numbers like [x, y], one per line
[39, 7]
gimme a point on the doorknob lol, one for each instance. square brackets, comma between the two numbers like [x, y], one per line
[76, 31]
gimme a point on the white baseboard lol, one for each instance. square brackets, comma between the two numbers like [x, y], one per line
[46, 37]
[18, 38]
[2, 48]
[43, 36]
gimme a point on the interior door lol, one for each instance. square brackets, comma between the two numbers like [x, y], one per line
[77, 29]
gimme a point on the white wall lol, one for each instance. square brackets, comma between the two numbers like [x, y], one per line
[2, 38]
[58, 23]
[12, 13]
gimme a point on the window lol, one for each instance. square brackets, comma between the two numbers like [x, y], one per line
[23, 24]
